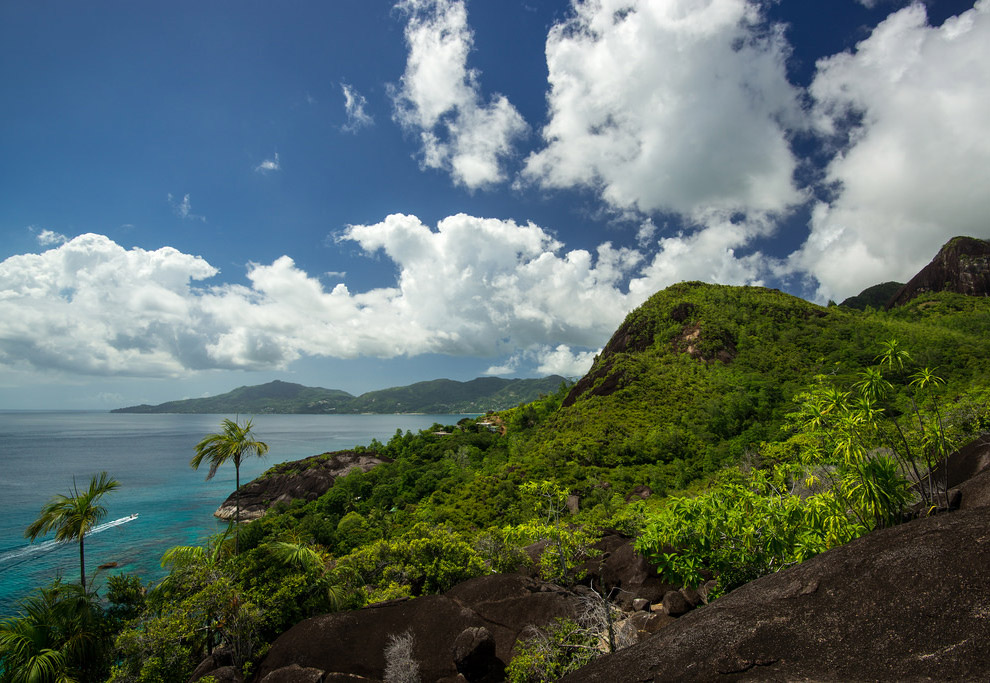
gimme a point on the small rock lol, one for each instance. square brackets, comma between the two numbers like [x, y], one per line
[626, 634]
[691, 595]
[656, 621]
[640, 604]
[640, 492]
[675, 604]
[573, 503]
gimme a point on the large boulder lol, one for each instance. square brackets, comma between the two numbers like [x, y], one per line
[354, 642]
[618, 569]
[305, 479]
[907, 603]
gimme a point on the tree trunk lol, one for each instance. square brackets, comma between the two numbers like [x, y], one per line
[237, 507]
[82, 564]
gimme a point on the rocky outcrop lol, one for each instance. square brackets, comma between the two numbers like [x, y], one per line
[470, 631]
[306, 479]
[961, 266]
[618, 569]
[907, 603]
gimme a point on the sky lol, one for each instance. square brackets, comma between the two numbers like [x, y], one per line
[362, 194]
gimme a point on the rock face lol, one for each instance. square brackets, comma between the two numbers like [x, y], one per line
[907, 603]
[497, 607]
[619, 569]
[962, 266]
[307, 479]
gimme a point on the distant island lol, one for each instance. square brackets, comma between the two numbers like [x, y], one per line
[438, 396]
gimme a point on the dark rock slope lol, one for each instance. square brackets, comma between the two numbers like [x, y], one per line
[443, 628]
[907, 603]
[307, 479]
[961, 266]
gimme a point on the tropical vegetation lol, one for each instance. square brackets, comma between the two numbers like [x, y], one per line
[732, 431]
[73, 516]
[229, 445]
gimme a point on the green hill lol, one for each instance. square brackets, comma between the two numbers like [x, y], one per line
[437, 396]
[448, 396]
[701, 373]
[697, 379]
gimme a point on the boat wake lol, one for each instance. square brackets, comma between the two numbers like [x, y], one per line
[13, 557]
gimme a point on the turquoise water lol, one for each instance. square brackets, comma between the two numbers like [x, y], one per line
[41, 452]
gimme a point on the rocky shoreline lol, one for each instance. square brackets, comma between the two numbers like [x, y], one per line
[305, 479]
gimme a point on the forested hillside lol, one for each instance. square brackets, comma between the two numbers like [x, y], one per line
[440, 396]
[746, 427]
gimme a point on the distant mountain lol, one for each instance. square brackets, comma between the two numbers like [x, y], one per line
[962, 266]
[437, 396]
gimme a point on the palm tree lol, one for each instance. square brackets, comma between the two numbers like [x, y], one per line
[73, 516]
[232, 444]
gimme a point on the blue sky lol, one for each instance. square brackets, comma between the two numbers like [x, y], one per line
[360, 194]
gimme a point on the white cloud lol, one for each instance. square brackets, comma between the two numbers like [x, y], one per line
[708, 255]
[439, 98]
[471, 286]
[547, 360]
[645, 233]
[266, 166]
[670, 105]
[562, 360]
[909, 110]
[509, 367]
[354, 104]
[183, 209]
[47, 238]
[91, 307]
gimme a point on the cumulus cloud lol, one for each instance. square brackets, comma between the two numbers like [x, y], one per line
[562, 360]
[439, 98]
[708, 255]
[469, 286]
[91, 307]
[183, 209]
[354, 104]
[266, 166]
[674, 106]
[548, 360]
[908, 111]
[47, 238]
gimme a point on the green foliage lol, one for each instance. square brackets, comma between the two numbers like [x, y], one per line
[126, 596]
[72, 517]
[229, 445]
[699, 374]
[551, 653]
[60, 634]
[567, 545]
[742, 530]
[773, 425]
[426, 559]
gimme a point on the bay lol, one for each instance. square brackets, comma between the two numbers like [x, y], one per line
[47, 453]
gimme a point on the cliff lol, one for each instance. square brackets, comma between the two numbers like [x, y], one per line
[306, 479]
[962, 266]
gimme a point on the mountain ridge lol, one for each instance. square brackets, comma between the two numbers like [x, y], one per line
[437, 396]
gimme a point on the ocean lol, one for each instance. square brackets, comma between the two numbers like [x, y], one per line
[43, 453]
